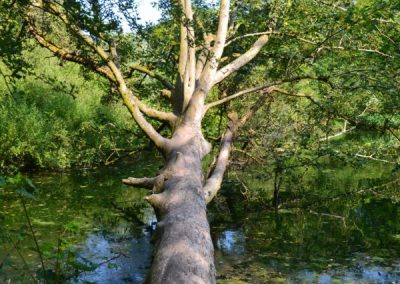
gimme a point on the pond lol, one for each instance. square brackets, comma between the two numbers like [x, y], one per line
[92, 229]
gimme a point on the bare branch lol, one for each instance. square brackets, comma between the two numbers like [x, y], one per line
[213, 183]
[375, 159]
[340, 47]
[152, 74]
[394, 134]
[370, 157]
[144, 182]
[206, 79]
[238, 94]
[113, 51]
[259, 88]
[68, 55]
[368, 50]
[242, 60]
[300, 95]
[190, 72]
[296, 36]
[344, 131]
[166, 93]
[131, 103]
[251, 35]
[184, 45]
[153, 113]
[222, 32]
[185, 83]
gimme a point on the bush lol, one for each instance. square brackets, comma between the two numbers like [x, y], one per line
[48, 124]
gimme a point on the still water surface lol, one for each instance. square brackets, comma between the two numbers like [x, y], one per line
[99, 231]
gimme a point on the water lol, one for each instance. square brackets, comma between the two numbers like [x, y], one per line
[93, 229]
[343, 228]
[305, 247]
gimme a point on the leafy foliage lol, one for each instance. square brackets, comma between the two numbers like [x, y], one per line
[57, 118]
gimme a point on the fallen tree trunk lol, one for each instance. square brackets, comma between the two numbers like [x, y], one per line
[183, 246]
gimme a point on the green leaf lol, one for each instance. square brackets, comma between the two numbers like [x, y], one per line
[18, 178]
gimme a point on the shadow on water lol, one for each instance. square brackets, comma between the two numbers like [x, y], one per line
[105, 229]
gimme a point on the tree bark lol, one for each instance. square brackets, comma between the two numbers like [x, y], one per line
[183, 247]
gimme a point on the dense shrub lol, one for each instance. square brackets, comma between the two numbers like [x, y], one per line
[56, 118]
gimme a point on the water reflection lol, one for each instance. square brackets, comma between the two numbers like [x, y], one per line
[370, 274]
[87, 223]
[124, 260]
[353, 240]
[231, 241]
